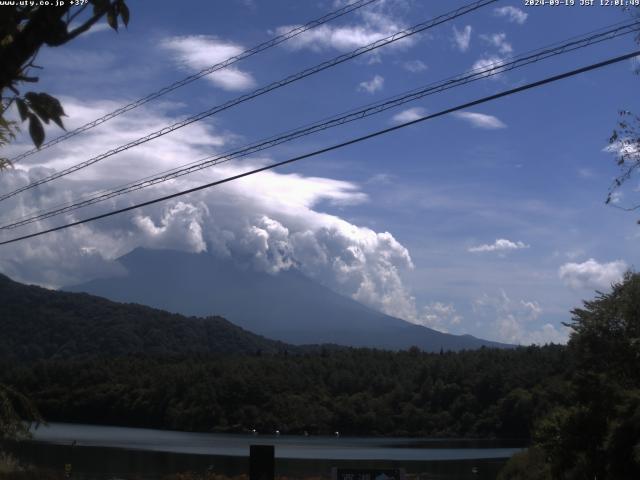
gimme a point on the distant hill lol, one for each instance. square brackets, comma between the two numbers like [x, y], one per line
[36, 323]
[289, 306]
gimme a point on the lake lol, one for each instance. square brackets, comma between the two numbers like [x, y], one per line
[104, 452]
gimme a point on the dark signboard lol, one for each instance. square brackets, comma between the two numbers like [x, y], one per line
[367, 474]
[261, 462]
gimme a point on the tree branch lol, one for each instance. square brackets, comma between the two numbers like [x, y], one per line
[85, 26]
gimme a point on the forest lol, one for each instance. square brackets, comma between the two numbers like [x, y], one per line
[476, 393]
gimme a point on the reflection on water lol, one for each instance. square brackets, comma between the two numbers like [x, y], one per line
[125, 452]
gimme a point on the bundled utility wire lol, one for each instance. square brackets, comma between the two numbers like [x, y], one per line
[575, 43]
[260, 91]
[202, 73]
[505, 93]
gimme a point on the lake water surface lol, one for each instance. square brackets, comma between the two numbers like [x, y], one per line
[105, 451]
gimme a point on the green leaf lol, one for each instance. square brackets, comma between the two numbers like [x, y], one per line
[613, 137]
[99, 6]
[112, 19]
[5, 163]
[124, 13]
[37, 106]
[36, 130]
[23, 110]
[58, 121]
[46, 107]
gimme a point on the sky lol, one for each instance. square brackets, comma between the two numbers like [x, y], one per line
[490, 221]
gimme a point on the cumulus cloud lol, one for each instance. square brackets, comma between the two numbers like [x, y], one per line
[513, 14]
[409, 115]
[270, 222]
[196, 52]
[439, 316]
[462, 38]
[500, 245]
[517, 321]
[491, 66]
[180, 224]
[592, 274]
[480, 120]
[372, 86]
[415, 66]
[499, 41]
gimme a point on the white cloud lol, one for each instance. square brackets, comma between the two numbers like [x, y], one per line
[480, 120]
[270, 222]
[374, 85]
[517, 322]
[592, 274]
[616, 197]
[409, 115]
[462, 39]
[327, 37]
[491, 66]
[512, 14]
[196, 52]
[180, 224]
[374, 23]
[415, 66]
[381, 179]
[95, 28]
[500, 245]
[586, 173]
[439, 316]
[498, 40]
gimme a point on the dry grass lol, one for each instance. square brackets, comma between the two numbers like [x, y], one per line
[12, 469]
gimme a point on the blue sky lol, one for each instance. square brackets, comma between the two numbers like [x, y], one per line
[491, 222]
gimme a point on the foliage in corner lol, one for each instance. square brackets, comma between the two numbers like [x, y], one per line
[17, 414]
[624, 142]
[595, 432]
[24, 29]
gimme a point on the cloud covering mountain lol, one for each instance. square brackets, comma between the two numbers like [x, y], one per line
[285, 305]
[270, 221]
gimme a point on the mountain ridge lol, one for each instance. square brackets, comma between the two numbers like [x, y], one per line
[38, 323]
[289, 306]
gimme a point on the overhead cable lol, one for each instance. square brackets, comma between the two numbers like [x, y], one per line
[479, 73]
[369, 136]
[260, 91]
[202, 73]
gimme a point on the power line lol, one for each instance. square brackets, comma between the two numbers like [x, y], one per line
[204, 72]
[489, 98]
[603, 34]
[261, 91]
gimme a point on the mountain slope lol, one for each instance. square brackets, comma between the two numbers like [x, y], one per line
[288, 306]
[36, 323]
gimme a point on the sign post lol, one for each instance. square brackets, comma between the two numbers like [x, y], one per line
[261, 462]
